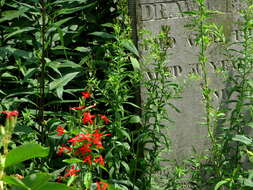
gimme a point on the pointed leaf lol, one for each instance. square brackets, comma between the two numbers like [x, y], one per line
[36, 181]
[102, 35]
[130, 47]
[87, 180]
[11, 180]
[56, 186]
[59, 92]
[61, 82]
[135, 63]
[19, 31]
[243, 139]
[135, 119]
[72, 160]
[25, 152]
[219, 184]
[82, 49]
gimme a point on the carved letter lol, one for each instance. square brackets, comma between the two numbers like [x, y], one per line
[176, 70]
[164, 11]
[148, 12]
[195, 68]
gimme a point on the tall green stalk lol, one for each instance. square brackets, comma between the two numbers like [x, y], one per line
[206, 33]
[42, 68]
[160, 89]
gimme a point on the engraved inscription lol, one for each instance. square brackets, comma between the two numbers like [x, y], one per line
[163, 10]
[166, 9]
[176, 70]
[195, 68]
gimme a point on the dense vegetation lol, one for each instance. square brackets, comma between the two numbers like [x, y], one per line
[72, 72]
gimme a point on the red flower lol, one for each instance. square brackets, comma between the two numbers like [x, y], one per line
[83, 149]
[88, 159]
[10, 113]
[100, 160]
[87, 117]
[77, 108]
[79, 138]
[60, 130]
[106, 120]
[71, 171]
[102, 185]
[85, 136]
[65, 149]
[97, 138]
[86, 94]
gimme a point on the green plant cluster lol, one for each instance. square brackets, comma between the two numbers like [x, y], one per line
[51, 51]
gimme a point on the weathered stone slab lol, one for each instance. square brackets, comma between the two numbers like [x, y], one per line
[183, 61]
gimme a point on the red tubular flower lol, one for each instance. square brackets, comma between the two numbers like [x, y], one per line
[64, 149]
[88, 159]
[106, 120]
[86, 94]
[10, 113]
[86, 136]
[77, 108]
[71, 171]
[100, 160]
[87, 117]
[83, 149]
[102, 185]
[60, 130]
[80, 138]
[97, 138]
[74, 140]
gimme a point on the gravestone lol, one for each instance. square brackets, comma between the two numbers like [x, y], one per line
[187, 132]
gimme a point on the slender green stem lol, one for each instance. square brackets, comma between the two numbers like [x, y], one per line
[42, 66]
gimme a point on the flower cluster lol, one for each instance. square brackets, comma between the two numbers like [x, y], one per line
[10, 113]
[86, 144]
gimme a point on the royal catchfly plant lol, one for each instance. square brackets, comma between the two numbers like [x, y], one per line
[84, 143]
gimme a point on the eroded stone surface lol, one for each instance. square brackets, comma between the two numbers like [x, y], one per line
[187, 132]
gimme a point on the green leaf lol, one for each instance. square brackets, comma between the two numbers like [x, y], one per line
[82, 49]
[25, 152]
[87, 180]
[11, 180]
[72, 160]
[219, 184]
[73, 10]
[126, 166]
[189, 12]
[135, 63]
[102, 35]
[55, 186]
[68, 1]
[36, 181]
[123, 132]
[135, 119]
[130, 47]
[59, 92]
[71, 180]
[19, 32]
[243, 139]
[11, 14]
[61, 82]
[63, 64]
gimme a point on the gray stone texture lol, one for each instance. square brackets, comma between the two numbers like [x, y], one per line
[187, 132]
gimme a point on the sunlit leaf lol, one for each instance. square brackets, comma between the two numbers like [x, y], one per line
[25, 152]
[61, 82]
